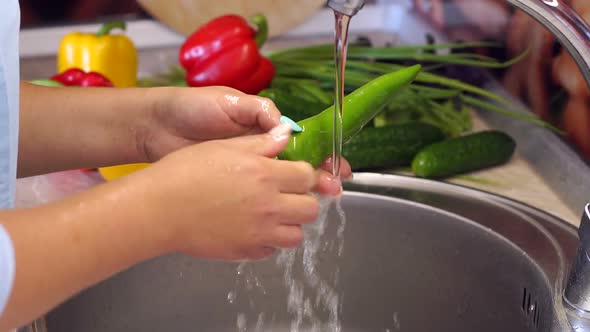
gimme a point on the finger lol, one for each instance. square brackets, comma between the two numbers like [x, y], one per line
[269, 144]
[286, 236]
[254, 112]
[298, 209]
[270, 116]
[345, 168]
[328, 184]
[295, 177]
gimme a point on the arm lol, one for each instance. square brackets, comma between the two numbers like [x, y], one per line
[70, 128]
[63, 248]
[235, 213]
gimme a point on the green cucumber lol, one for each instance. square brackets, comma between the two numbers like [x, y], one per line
[389, 146]
[464, 154]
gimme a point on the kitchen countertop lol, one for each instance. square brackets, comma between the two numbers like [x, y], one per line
[519, 181]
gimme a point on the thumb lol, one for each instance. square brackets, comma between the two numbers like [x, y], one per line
[269, 144]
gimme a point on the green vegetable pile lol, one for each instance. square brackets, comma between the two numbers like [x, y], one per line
[426, 125]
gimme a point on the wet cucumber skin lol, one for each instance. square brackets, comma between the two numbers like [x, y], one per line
[389, 146]
[464, 154]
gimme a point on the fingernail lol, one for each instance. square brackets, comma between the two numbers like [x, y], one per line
[280, 132]
[294, 126]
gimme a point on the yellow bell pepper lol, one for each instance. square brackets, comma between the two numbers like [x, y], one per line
[113, 56]
[114, 172]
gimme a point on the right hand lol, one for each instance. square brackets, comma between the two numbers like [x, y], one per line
[228, 199]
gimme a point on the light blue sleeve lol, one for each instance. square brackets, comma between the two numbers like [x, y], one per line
[6, 268]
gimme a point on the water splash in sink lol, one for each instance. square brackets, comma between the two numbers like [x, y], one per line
[314, 299]
[313, 293]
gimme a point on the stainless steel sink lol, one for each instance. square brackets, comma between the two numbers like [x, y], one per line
[418, 255]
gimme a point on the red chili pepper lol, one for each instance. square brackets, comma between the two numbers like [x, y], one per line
[78, 77]
[225, 51]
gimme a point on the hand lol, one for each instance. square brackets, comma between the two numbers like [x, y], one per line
[229, 199]
[222, 199]
[184, 116]
[127, 126]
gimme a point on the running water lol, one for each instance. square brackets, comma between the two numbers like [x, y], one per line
[340, 49]
[311, 273]
[310, 276]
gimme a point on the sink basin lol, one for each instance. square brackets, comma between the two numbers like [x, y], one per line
[418, 255]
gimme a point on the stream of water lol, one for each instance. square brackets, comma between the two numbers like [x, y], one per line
[310, 281]
[340, 49]
[311, 273]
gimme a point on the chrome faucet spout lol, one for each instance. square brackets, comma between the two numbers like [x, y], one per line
[574, 34]
[567, 26]
[346, 7]
[577, 291]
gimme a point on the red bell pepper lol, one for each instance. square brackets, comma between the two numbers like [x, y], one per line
[225, 51]
[78, 77]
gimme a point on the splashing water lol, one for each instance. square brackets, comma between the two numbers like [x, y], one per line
[310, 275]
[311, 282]
[316, 290]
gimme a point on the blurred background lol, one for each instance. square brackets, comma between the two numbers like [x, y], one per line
[37, 13]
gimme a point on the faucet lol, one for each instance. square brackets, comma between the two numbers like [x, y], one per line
[567, 26]
[574, 34]
[346, 7]
[576, 295]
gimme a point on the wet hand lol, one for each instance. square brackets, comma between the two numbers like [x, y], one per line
[229, 199]
[188, 116]
[184, 116]
[330, 185]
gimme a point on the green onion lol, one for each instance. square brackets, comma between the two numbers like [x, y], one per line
[307, 73]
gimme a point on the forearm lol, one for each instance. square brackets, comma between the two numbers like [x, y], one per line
[63, 248]
[71, 128]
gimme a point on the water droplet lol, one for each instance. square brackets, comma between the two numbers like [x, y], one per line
[396, 323]
[232, 99]
[310, 276]
[231, 297]
[241, 322]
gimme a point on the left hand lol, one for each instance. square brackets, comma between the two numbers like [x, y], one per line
[184, 116]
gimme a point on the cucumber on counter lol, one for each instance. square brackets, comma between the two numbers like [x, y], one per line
[389, 146]
[464, 154]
